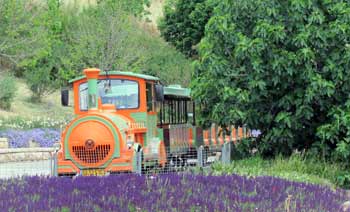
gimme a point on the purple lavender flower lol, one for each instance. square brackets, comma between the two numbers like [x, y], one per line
[21, 138]
[256, 133]
[128, 192]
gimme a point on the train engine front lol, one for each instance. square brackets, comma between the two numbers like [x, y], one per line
[103, 138]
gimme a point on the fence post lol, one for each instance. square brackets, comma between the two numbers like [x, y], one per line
[200, 156]
[226, 153]
[139, 162]
[54, 168]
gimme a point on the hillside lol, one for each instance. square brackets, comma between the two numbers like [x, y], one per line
[50, 105]
[23, 107]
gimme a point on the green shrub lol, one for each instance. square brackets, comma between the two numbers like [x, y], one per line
[243, 149]
[7, 91]
[41, 82]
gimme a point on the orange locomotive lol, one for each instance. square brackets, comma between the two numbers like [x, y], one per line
[121, 113]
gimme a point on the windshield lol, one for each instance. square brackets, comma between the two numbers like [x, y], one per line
[124, 94]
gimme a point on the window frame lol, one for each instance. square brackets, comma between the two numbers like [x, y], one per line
[138, 96]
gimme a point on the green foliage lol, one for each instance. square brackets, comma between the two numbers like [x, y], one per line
[278, 66]
[183, 23]
[7, 91]
[95, 37]
[134, 7]
[296, 168]
[21, 34]
[41, 81]
[152, 56]
[243, 149]
[41, 72]
[335, 135]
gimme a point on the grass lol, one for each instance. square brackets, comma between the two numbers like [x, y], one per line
[295, 168]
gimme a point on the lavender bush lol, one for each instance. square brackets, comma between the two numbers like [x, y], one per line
[166, 193]
[21, 138]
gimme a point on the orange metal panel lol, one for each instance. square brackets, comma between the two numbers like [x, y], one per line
[213, 135]
[206, 137]
[240, 133]
[233, 134]
[190, 136]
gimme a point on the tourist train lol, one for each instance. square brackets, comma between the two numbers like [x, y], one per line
[119, 114]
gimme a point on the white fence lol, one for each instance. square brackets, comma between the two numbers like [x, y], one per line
[17, 162]
[43, 161]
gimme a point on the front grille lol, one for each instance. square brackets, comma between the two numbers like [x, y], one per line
[96, 155]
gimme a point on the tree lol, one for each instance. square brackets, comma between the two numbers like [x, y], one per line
[42, 72]
[278, 66]
[97, 36]
[106, 36]
[183, 23]
[21, 35]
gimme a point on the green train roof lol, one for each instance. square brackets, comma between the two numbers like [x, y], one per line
[123, 73]
[177, 90]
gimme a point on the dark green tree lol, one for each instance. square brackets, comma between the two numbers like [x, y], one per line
[278, 66]
[184, 22]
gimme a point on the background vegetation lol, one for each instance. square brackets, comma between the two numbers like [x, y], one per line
[277, 66]
[49, 43]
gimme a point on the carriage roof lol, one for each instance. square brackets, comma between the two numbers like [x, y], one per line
[169, 91]
[177, 91]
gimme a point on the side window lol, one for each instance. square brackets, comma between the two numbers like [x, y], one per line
[176, 111]
[149, 97]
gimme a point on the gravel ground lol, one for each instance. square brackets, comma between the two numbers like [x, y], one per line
[25, 168]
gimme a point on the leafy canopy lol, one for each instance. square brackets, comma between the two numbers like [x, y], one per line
[281, 67]
[183, 23]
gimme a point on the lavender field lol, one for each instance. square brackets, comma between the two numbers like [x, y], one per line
[166, 193]
[21, 138]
